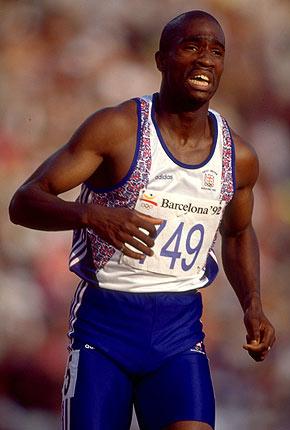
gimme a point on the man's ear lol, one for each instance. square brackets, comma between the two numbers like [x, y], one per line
[160, 61]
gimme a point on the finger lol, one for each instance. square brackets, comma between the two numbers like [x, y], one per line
[251, 342]
[150, 219]
[268, 336]
[257, 355]
[266, 352]
[135, 245]
[255, 346]
[149, 224]
[143, 236]
[253, 330]
[147, 228]
[134, 226]
[139, 239]
[130, 251]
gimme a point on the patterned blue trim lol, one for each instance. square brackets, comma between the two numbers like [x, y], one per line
[233, 160]
[85, 269]
[170, 155]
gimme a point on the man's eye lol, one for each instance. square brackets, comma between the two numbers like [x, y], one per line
[191, 48]
[217, 52]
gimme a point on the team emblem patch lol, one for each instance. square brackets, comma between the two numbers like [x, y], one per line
[208, 180]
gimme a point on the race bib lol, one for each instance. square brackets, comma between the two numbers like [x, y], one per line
[184, 238]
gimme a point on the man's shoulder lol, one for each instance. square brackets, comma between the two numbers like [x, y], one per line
[119, 115]
[105, 128]
[244, 150]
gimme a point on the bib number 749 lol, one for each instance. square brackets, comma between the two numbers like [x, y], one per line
[171, 248]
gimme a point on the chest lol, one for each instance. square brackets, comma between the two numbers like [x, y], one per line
[180, 175]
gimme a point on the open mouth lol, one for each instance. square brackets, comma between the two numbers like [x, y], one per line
[199, 80]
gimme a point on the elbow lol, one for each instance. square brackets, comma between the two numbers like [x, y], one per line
[13, 209]
[16, 208]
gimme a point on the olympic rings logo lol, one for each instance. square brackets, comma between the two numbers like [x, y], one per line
[147, 206]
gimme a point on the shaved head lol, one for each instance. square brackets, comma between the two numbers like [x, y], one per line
[173, 28]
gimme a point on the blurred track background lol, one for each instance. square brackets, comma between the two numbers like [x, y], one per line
[61, 60]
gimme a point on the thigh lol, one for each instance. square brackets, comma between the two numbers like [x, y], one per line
[180, 390]
[97, 394]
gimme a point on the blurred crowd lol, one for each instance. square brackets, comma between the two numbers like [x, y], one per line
[60, 61]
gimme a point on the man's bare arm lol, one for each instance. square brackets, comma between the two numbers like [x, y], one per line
[240, 253]
[36, 203]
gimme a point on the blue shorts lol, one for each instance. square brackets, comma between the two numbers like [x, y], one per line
[136, 349]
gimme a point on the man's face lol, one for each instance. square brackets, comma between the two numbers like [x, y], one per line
[193, 65]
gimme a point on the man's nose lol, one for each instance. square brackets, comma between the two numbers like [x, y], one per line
[205, 58]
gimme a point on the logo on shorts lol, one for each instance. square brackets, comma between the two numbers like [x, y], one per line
[198, 347]
[87, 346]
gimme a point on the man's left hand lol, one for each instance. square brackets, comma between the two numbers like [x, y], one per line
[260, 333]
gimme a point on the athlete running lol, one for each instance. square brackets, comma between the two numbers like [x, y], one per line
[160, 175]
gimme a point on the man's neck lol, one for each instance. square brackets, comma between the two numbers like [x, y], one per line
[187, 123]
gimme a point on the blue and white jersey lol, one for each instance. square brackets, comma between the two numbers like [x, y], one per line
[190, 198]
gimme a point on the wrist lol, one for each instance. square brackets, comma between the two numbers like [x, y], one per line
[92, 215]
[85, 214]
[252, 301]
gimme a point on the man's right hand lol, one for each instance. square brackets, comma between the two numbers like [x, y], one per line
[122, 227]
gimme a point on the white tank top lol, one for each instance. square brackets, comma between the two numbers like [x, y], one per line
[189, 198]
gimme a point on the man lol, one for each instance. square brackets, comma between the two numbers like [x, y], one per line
[160, 175]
